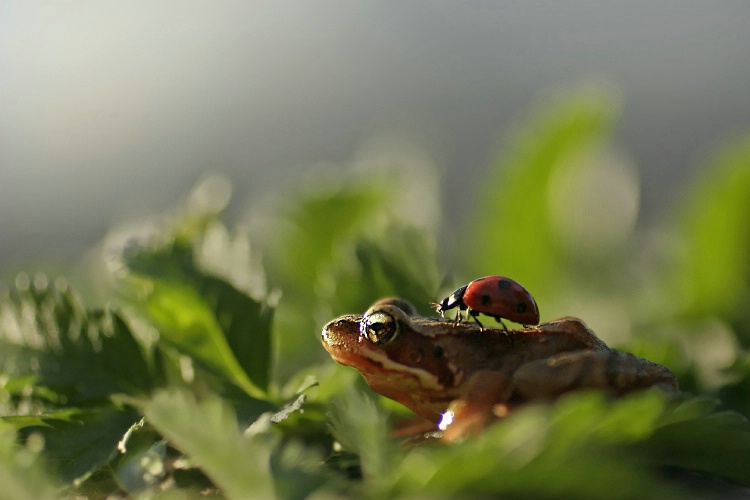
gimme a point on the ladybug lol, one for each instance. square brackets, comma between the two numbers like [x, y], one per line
[494, 296]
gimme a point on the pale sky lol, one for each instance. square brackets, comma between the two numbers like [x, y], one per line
[112, 108]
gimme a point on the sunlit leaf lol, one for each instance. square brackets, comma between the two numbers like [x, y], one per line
[185, 321]
[246, 324]
[204, 315]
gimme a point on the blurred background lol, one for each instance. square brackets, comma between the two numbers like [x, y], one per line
[113, 110]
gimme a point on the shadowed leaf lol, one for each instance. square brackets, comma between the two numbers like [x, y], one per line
[77, 443]
[80, 354]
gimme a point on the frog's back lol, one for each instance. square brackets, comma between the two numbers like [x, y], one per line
[494, 348]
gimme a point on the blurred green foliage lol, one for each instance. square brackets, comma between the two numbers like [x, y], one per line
[512, 231]
[710, 275]
[203, 374]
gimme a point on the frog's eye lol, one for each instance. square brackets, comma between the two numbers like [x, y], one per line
[379, 327]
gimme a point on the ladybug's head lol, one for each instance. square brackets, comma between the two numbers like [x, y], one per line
[455, 299]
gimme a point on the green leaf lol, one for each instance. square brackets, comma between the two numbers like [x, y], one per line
[80, 354]
[246, 324]
[206, 430]
[394, 261]
[297, 471]
[704, 440]
[203, 315]
[186, 321]
[736, 395]
[289, 408]
[537, 452]
[80, 442]
[316, 225]
[362, 428]
[41, 420]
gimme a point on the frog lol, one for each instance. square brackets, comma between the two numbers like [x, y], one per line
[461, 377]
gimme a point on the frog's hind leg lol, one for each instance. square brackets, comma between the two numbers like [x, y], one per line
[483, 401]
[614, 371]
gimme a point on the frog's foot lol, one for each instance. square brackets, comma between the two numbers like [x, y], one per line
[480, 405]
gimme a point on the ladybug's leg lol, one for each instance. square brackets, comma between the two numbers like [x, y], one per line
[499, 319]
[474, 315]
[459, 316]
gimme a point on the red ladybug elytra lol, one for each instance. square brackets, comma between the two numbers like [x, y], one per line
[494, 296]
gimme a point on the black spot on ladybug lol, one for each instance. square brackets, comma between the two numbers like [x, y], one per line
[439, 351]
[521, 308]
[504, 284]
[486, 299]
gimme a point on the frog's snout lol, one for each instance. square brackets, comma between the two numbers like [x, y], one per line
[340, 330]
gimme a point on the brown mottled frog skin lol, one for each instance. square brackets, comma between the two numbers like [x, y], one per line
[463, 378]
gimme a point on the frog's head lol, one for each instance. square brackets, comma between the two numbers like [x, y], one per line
[395, 350]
